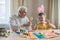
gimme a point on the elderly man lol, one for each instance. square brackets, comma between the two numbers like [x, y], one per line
[20, 21]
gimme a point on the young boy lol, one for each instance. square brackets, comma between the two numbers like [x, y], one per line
[20, 21]
[43, 23]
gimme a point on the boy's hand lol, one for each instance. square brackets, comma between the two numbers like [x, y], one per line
[48, 21]
[15, 28]
[27, 24]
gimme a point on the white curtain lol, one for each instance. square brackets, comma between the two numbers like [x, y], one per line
[53, 12]
[14, 4]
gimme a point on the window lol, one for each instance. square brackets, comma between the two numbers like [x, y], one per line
[58, 13]
[4, 11]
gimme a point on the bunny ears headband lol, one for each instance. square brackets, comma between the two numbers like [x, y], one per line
[40, 9]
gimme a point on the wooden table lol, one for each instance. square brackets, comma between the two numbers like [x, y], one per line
[15, 36]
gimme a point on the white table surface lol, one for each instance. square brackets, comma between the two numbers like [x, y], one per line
[15, 36]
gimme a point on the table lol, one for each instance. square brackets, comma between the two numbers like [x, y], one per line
[15, 36]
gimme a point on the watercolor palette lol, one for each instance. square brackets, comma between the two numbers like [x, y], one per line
[38, 35]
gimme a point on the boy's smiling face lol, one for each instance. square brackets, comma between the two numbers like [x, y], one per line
[42, 19]
[22, 13]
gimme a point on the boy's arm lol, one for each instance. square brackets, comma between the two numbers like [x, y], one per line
[52, 26]
[28, 22]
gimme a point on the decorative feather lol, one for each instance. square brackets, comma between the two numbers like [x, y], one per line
[40, 9]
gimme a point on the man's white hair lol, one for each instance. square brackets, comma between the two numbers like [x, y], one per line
[23, 8]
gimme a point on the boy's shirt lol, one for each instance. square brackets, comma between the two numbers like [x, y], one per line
[17, 21]
[44, 26]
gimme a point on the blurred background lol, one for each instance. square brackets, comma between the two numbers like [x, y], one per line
[9, 8]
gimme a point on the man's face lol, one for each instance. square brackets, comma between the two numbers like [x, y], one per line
[42, 18]
[22, 13]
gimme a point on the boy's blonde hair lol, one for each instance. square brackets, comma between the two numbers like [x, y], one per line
[22, 8]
